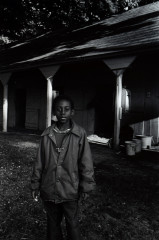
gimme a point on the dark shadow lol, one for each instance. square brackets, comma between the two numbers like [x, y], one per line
[20, 107]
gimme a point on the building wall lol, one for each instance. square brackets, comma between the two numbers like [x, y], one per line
[91, 86]
[84, 115]
[27, 111]
[11, 107]
[142, 81]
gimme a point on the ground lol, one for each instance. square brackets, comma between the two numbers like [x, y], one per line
[124, 206]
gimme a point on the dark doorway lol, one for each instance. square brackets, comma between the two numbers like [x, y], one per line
[20, 107]
[104, 114]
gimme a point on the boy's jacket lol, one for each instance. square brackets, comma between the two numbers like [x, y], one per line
[61, 176]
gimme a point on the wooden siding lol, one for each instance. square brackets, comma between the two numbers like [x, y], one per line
[32, 119]
[142, 81]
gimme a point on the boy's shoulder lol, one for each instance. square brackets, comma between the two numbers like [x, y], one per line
[77, 129]
[47, 131]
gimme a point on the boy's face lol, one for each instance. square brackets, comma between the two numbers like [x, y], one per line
[63, 111]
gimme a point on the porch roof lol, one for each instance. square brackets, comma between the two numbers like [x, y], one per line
[132, 32]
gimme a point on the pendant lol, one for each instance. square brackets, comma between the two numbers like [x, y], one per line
[59, 149]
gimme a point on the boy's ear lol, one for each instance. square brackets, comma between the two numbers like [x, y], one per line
[72, 112]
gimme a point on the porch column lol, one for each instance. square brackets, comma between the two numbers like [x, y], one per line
[118, 66]
[4, 79]
[49, 73]
[5, 107]
[118, 108]
[49, 101]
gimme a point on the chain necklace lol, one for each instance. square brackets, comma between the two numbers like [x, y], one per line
[61, 131]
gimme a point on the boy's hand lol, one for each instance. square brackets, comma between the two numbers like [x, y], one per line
[83, 196]
[35, 195]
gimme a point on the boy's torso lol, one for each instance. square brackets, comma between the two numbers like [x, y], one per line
[60, 178]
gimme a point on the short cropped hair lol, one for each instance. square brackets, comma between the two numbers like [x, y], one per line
[60, 98]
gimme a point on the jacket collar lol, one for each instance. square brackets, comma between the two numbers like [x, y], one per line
[75, 129]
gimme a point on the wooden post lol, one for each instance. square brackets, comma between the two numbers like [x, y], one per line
[4, 77]
[49, 101]
[118, 109]
[49, 73]
[5, 107]
[118, 66]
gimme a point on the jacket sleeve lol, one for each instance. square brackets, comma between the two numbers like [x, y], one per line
[38, 168]
[86, 170]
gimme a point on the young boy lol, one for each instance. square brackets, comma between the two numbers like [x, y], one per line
[63, 172]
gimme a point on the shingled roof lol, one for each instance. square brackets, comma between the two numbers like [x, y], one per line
[132, 32]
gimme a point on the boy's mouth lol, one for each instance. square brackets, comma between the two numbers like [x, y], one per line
[63, 118]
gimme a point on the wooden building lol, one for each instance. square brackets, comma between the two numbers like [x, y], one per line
[109, 68]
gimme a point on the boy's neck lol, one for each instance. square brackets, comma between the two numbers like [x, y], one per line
[64, 126]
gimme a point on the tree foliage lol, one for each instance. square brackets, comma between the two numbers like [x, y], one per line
[22, 19]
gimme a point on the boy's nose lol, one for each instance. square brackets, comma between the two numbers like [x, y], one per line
[62, 111]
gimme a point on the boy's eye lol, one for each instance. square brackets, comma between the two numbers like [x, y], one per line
[67, 109]
[60, 109]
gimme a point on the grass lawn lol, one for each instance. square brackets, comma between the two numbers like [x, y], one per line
[125, 205]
